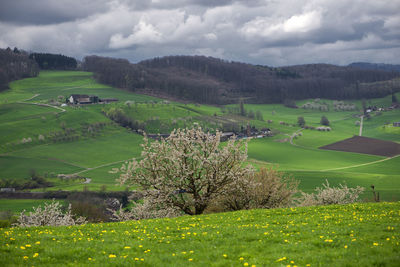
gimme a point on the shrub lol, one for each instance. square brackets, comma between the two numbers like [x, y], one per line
[300, 121]
[324, 121]
[145, 210]
[265, 189]
[50, 215]
[330, 195]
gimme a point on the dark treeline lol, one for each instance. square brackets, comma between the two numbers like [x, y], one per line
[215, 81]
[15, 64]
[48, 61]
[375, 66]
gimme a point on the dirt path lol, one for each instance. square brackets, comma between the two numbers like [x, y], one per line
[361, 125]
[32, 97]
[359, 165]
[74, 87]
[45, 105]
[103, 165]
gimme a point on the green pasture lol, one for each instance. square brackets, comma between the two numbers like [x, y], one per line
[88, 153]
[19, 167]
[336, 235]
[94, 155]
[289, 157]
[19, 205]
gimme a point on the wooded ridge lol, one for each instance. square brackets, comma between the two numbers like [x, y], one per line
[216, 81]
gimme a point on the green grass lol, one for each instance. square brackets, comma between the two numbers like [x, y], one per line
[19, 167]
[19, 205]
[114, 144]
[339, 235]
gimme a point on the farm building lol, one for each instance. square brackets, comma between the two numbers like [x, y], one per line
[86, 99]
[83, 99]
[396, 124]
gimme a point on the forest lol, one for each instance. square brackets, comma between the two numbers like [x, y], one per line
[14, 65]
[215, 81]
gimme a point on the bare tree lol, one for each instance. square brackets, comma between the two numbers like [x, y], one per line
[187, 170]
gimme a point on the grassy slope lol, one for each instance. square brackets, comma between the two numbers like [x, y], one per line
[305, 161]
[342, 235]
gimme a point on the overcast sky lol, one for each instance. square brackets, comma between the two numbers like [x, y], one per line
[267, 32]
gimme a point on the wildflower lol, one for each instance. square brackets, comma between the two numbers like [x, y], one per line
[28, 246]
[37, 243]
[22, 247]
[225, 256]
[281, 259]
[376, 244]
[127, 247]
[112, 256]
[241, 258]
[26, 257]
[136, 259]
[35, 255]
[345, 246]
[190, 259]
[245, 264]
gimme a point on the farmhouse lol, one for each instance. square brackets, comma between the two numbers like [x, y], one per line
[86, 99]
[396, 124]
[83, 99]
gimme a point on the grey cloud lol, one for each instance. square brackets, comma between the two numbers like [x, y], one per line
[257, 31]
[48, 11]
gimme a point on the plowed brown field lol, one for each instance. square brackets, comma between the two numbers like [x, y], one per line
[366, 145]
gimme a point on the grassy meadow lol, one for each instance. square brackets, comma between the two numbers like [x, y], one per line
[37, 134]
[338, 235]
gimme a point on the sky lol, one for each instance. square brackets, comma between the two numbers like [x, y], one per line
[266, 32]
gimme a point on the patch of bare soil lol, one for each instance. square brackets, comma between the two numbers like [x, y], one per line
[366, 145]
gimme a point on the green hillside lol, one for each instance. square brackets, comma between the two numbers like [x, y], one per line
[38, 133]
[337, 235]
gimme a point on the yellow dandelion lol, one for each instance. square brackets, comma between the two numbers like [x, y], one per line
[112, 256]
[225, 256]
[136, 259]
[28, 246]
[35, 255]
[345, 246]
[22, 247]
[127, 247]
[281, 259]
[26, 257]
[190, 259]
[37, 243]
[241, 258]
[376, 244]
[90, 259]
[245, 264]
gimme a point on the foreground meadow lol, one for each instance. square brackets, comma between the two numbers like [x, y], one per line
[337, 235]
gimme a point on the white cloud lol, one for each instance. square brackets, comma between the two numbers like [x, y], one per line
[303, 23]
[143, 33]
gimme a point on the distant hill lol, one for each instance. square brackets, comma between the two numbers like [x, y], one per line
[216, 81]
[375, 66]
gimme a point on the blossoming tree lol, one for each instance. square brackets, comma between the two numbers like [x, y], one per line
[187, 170]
